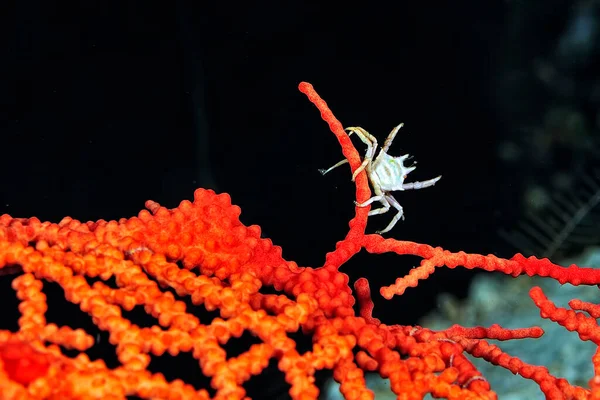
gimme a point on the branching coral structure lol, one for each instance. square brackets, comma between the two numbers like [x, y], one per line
[201, 250]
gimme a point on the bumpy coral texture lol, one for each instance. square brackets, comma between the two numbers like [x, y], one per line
[200, 249]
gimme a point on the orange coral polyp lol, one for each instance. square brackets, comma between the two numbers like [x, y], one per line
[21, 363]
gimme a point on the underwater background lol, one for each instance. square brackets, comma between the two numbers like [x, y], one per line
[108, 104]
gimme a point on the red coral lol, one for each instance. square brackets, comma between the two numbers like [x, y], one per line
[201, 250]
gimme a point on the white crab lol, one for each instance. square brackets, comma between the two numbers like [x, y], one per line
[386, 174]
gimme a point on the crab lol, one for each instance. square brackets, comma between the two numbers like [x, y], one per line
[386, 174]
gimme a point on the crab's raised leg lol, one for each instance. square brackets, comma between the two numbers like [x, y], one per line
[400, 214]
[324, 171]
[366, 138]
[390, 138]
[371, 143]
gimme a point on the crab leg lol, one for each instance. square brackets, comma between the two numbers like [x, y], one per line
[390, 138]
[421, 184]
[324, 171]
[400, 214]
[371, 143]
